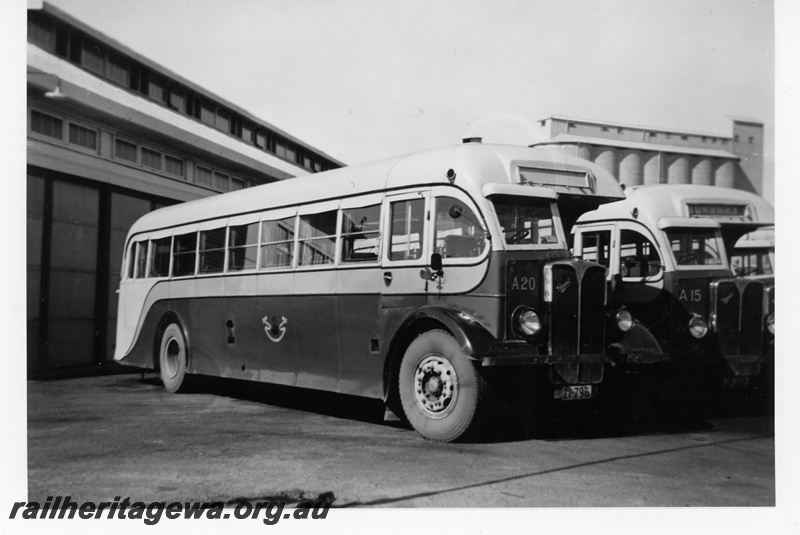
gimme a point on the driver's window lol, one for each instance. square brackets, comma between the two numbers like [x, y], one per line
[459, 233]
[638, 256]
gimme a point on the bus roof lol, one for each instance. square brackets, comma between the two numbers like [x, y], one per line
[654, 202]
[656, 206]
[474, 165]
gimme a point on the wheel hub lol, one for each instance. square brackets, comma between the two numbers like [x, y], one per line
[435, 386]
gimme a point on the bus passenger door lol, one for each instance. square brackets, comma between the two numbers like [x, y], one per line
[406, 251]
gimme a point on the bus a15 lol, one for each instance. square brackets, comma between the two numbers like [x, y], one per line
[421, 280]
[665, 250]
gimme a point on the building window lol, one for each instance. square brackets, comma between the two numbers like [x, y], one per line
[204, 176]
[221, 181]
[280, 148]
[47, 125]
[261, 139]
[685, 138]
[155, 87]
[604, 129]
[177, 99]
[124, 150]
[151, 158]
[570, 125]
[119, 69]
[223, 119]
[751, 140]
[652, 134]
[291, 155]
[207, 114]
[735, 138]
[93, 56]
[236, 184]
[543, 123]
[247, 132]
[669, 136]
[41, 30]
[173, 166]
[83, 137]
[620, 130]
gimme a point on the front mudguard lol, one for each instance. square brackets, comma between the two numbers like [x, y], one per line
[637, 345]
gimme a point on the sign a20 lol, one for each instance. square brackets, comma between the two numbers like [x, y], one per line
[523, 283]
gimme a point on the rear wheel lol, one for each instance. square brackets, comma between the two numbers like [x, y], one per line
[173, 358]
[440, 389]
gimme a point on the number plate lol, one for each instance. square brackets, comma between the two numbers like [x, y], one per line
[734, 382]
[570, 393]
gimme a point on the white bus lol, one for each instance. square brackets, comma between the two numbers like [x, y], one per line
[666, 248]
[421, 280]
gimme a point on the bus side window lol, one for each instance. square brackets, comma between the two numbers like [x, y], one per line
[459, 233]
[317, 239]
[596, 247]
[360, 234]
[242, 247]
[638, 256]
[212, 250]
[131, 261]
[159, 258]
[141, 259]
[184, 249]
[406, 240]
[277, 243]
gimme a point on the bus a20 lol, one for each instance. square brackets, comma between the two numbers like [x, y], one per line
[421, 280]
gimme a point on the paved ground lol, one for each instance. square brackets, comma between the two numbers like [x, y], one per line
[100, 437]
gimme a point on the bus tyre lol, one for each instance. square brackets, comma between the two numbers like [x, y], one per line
[440, 389]
[173, 358]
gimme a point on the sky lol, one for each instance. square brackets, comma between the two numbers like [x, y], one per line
[363, 80]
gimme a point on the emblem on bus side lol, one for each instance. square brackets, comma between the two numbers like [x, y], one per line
[274, 330]
[563, 287]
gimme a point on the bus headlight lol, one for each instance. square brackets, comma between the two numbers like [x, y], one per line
[771, 324]
[698, 326]
[527, 322]
[624, 320]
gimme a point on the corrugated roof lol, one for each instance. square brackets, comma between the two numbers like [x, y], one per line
[571, 139]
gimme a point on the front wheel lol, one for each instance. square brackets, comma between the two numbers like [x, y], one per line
[440, 389]
[173, 359]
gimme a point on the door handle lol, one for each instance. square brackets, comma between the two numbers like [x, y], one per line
[387, 278]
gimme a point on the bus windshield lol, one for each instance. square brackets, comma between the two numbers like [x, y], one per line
[696, 246]
[751, 261]
[527, 220]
